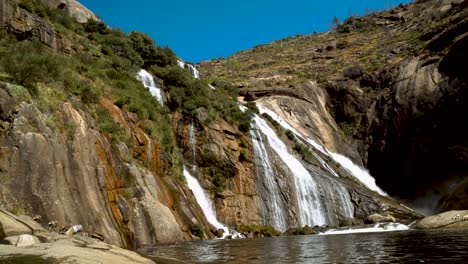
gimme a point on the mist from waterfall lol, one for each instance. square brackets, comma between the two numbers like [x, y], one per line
[148, 81]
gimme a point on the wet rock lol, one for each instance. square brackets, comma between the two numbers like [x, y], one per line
[219, 233]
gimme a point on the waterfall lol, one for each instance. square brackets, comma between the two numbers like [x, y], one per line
[311, 211]
[205, 203]
[273, 205]
[148, 81]
[190, 67]
[193, 146]
[361, 174]
[200, 195]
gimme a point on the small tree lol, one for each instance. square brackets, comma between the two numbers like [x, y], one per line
[335, 22]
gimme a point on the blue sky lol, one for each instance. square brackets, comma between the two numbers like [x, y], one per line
[207, 29]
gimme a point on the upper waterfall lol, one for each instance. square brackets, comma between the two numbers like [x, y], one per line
[190, 67]
[361, 174]
[148, 81]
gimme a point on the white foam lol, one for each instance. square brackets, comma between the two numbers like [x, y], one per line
[381, 227]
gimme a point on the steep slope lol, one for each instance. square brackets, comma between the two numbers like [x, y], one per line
[387, 89]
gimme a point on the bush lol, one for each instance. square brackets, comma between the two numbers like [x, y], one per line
[197, 230]
[290, 135]
[107, 125]
[258, 231]
[29, 62]
[93, 26]
[149, 52]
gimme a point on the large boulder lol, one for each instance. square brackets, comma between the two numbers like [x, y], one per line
[11, 226]
[450, 219]
[23, 240]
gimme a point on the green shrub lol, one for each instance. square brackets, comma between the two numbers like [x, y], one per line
[93, 26]
[107, 125]
[290, 135]
[243, 155]
[197, 230]
[258, 230]
[29, 62]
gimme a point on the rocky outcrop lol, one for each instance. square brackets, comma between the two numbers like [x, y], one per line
[391, 98]
[451, 219]
[30, 26]
[73, 8]
[62, 169]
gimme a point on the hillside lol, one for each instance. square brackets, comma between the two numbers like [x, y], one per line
[390, 84]
[110, 131]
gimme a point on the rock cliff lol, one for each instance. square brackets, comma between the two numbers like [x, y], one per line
[387, 89]
[92, 147]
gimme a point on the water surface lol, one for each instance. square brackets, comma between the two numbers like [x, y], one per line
[433, 246]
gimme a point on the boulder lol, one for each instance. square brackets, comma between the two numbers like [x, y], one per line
[450, 219]
[23, 240]
[377, 218]
[12, 226]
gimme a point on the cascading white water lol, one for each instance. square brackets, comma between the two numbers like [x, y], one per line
[273, 205]
[311, 211]
[205, 203]
[195, 73]
[148, 81]
[193, 144]
[200, 195]
[359, 173]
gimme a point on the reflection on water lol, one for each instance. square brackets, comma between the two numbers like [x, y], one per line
[395, 247]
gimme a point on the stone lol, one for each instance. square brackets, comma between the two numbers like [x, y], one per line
[450, 219]
[377, 218]
[27, 240]
[74, 229]
[353, 72]
[98, 236]
[12, 226]
[23, 240]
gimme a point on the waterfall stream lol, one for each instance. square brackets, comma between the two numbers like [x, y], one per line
[190, 67]
[273, 205]
[361, 174]
[200, 195]
[148, 81]
[311, 211]
[205, 203]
